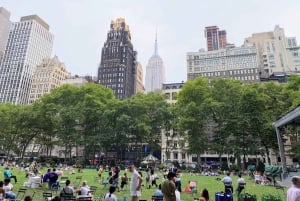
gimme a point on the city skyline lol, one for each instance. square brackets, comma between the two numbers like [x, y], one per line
[180, 26]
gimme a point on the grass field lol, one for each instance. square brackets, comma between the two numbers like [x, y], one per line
[208, 182]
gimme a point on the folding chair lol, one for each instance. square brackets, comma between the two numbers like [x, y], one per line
[77, 181]
[20, 195]
[101, 197]
[104, 182]
[63, 180]
[157, 198]
[96, 179]
[33, 194]
[47, 196]
[85, 199]
[68, 197]
[55, 187]
[93, 189]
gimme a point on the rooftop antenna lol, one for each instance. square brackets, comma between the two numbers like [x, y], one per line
[155, 45]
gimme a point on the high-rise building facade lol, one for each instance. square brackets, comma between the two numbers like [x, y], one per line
[47, 76]
[155, 71]
[233, 62]
[29, 42]
[5, 24]
[139, 86]
[275, 52]
[118, 65]
[215, 38]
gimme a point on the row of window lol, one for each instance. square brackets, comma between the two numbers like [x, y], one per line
[175, 155]
[223, 53]
[113, 80]
[243, 71]
[228, 62]
[171, 96]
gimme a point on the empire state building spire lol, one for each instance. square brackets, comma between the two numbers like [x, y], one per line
[155, 71]
[155, 46]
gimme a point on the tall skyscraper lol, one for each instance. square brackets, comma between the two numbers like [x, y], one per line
[215, 38]
[47, 76]
[29, 42]
[139, 86]
[275, 51]
[5, 24]
[118, 65]
[155, 71]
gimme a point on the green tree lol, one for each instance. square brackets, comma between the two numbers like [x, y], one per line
[194, 112]
[226, 95]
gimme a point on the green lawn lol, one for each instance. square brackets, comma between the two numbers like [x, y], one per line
[208, 182]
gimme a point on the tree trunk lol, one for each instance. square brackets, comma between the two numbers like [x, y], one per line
[199, 162]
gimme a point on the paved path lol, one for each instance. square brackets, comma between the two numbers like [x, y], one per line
[287, 182]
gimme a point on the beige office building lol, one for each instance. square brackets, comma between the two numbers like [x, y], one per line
[139, 86]
[47, 76]
[275, 51]
[172, 144]
[237, 63]
[5, 25]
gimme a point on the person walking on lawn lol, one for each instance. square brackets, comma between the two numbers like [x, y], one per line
[9, 175]
[135, 184]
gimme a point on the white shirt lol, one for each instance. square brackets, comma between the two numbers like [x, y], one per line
[134, 183]
[241, 181]
[8, 188]
[227, 180]
[293, 194]
[113, 196]
[84, 190]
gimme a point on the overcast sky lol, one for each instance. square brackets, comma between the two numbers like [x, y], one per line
[80, 26]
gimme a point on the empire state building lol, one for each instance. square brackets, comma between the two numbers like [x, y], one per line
[155, 72]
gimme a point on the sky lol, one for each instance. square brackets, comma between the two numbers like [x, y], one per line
[80, 26]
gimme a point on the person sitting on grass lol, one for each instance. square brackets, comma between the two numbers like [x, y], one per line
[8, 188]
[84, 190]
[188, 189]
[68, 190]
[158, 192]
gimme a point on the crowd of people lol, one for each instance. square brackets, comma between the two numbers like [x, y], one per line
[167, 188]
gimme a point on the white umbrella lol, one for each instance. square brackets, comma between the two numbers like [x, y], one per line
[150, 157]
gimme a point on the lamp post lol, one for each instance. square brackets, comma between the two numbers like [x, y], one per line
[96, 159]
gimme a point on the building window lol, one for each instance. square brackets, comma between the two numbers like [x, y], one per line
[175, 144]
[167, 96]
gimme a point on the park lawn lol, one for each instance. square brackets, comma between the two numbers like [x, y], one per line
[90, 175]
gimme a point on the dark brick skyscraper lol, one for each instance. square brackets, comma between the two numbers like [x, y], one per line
[118, 60]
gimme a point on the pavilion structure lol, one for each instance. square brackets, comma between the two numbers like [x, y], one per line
[291, 118]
